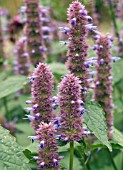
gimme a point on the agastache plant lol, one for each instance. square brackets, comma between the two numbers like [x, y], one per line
[41, 89]
[22, 60]
[48, 157]
[34, 32]
[103, 81]
[71, 111]
[77, 46]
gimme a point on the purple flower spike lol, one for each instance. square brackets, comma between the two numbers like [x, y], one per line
[77, 47]
[71, 119]
[48, 151]
[41, 90]
[22, 58]
[103, 81]
[34, 31]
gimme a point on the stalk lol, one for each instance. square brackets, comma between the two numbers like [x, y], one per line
[71, 155]
[112, 160]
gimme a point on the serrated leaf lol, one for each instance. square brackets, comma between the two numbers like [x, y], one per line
[11, 154]
[95, 120]
[12, 85]
[117, 137]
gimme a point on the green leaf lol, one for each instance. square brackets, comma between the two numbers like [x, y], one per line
[33, 147]
[11, 154]
[57, 48]
[4, 75]
[117, 70]
[26, 128]
[58, 69]
[12, 85]
[119, 161]
[95, 120]
[25, 131]
[23, 98]
[117, 137]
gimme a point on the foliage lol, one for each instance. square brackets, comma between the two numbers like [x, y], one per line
[11, 154]
[12, 85]
[95, 120]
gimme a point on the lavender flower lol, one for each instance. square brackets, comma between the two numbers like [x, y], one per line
[42, 87]
[22, 61]
[71, 108]
[103, 81]
[48, 157]
[77, 47]
[34, 32]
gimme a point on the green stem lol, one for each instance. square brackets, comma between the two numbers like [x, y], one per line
[114, 19]
[112, 160]
[71, 155]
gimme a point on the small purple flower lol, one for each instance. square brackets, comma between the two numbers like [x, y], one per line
[42, 165]
[101, 63]
[33, 138]
[42, 144]
[73, 21]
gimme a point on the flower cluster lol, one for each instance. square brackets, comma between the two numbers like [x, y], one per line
[34, 32]
[77, 46]
[103, 81]
[48, 157]
[71, 109]
[41, 89]
[22, 60]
